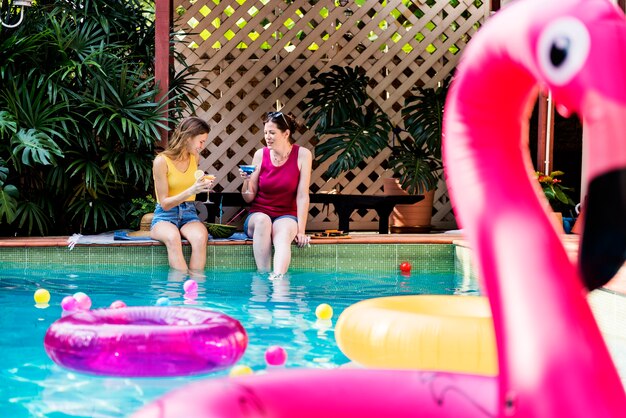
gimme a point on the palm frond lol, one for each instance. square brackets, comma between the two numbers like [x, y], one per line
[341, 91]
[30, 215]
[359, 138]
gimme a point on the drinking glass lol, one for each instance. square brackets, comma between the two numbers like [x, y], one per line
[248, 169]
[198, 174]
[210, 177]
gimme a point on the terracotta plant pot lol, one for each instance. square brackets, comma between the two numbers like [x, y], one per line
[413, 218]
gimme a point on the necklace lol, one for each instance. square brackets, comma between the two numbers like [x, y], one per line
[279, 161]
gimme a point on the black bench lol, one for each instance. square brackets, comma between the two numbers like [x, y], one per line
[344, 205]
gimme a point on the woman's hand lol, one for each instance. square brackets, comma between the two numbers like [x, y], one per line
[244, 175]
[302, 239]
[202, 185]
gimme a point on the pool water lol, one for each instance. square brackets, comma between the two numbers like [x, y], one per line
[272, 312]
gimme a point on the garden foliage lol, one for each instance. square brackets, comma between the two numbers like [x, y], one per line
[79, 115]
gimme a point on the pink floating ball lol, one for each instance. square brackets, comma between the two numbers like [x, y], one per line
[83, 301]
[190, 286]
[69, 303]
[118, 304]
[276, 356]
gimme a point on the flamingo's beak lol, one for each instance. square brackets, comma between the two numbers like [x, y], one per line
[603, 243]
[603, 246]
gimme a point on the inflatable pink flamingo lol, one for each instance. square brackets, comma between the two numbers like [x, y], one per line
[546, 335]
[552, 359]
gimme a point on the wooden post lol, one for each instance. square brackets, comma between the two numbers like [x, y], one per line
[163, 59]
[545, 134]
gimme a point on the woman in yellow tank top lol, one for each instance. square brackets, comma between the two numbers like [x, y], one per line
[175, 216]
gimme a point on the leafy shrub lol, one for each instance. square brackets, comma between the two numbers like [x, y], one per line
[79, 115]
[139, 207]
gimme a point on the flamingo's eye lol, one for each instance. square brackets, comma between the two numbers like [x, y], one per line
[562, 49]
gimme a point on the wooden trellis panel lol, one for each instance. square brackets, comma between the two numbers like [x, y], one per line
[254, 56]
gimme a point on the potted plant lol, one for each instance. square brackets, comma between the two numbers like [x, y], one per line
[557, 194]
[351, 127]
[416, 159]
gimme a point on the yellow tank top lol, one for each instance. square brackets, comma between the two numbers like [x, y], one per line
[178, 181]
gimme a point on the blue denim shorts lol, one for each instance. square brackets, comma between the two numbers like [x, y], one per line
[178, 215]
[245, 224]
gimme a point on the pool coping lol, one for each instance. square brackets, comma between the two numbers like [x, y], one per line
[355, 238]
[616, 286]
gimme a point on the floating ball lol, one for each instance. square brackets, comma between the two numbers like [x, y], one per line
[190, 286]
[163, 301]
[405, 267]
[240, 370]
[324, 311]
[41, 296]
[83, 302]
[276, 356]
[118, 304]
[69, 303]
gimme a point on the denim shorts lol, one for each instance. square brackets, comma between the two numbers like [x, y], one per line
[179, 215]
[245, 224]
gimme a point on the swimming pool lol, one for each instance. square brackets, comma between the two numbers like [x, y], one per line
[273, 313]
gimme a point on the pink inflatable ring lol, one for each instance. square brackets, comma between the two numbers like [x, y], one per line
[146, 341]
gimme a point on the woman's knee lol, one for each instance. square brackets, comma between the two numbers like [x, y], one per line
[260, 224]
[195, 233]
[167, 233]
[284, 230]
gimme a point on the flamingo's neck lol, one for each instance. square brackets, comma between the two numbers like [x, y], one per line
[534, 290]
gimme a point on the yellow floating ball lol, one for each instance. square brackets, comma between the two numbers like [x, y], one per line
[240, 370]
[42, 296]
[324, 311]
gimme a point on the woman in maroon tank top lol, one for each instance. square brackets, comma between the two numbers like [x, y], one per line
[278, 191]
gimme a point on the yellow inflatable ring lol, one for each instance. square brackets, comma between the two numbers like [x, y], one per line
[425, 332]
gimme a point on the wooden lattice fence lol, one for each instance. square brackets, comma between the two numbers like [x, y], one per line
[254, 56]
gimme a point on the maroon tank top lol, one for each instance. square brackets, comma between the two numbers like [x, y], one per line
[278, 186]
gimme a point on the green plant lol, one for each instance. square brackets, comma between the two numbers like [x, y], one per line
[138, 207]
[555, 192]
[416, 168]
[352, 127]
[416, 160]
[79, 115]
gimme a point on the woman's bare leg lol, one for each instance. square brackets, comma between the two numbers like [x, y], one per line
[284, 231]
[197, 235]
[260, 229]
[169, 235]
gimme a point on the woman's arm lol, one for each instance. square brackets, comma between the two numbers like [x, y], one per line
[161, 188]
[305, 162]
[251, 183]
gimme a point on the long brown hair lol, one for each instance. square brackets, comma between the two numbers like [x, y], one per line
[188, 128]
